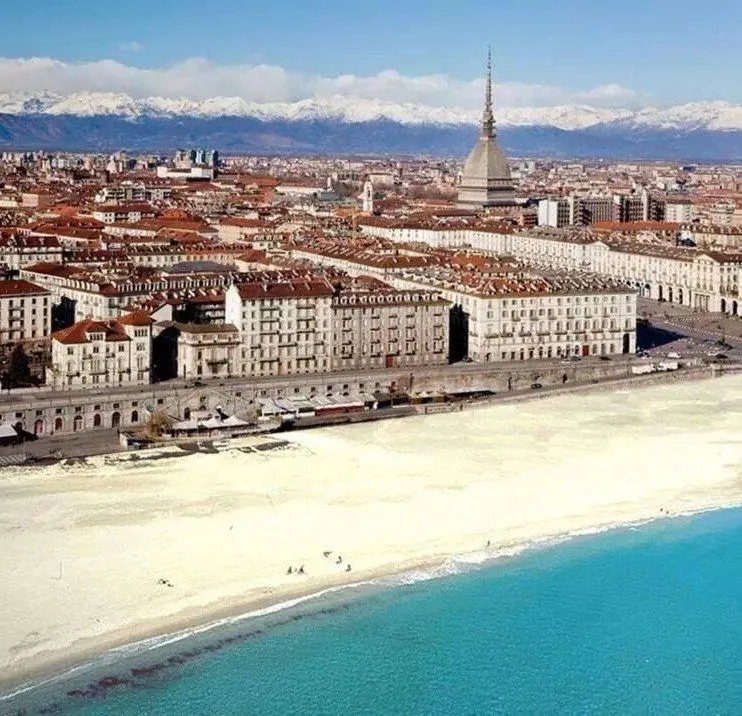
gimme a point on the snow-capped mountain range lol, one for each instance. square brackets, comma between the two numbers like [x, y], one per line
[709, 116]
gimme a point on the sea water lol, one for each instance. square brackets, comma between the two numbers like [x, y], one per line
[632, 621]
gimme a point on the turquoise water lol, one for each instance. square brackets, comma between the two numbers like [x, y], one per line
[635, 621]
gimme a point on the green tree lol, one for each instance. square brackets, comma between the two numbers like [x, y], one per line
[18, 367]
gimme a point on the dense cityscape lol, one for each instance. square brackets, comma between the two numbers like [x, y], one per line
[370, 359]
[123, 271]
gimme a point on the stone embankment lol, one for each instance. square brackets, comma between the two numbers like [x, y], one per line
[92, 443]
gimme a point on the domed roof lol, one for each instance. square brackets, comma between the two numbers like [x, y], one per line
[486, 162]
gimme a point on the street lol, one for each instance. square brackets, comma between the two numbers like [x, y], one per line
[678, 329]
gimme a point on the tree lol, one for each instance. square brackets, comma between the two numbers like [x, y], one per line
[18, 367]
[158, 423]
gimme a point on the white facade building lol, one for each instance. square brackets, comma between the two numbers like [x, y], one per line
[207, 350]
[679, 211]
[554, 212]
[661, 271]
[285, 327]
[102, 353]
[25, 311]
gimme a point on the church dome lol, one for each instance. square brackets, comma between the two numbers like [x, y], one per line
[486, 161]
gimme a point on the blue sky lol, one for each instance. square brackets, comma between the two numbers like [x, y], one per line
[546, 52]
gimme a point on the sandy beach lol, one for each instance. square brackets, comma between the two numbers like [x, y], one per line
[101, 554]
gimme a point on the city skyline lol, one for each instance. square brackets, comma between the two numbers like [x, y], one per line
[420, 52]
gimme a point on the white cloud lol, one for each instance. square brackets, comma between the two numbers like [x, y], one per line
[199, 78]
[132, 46]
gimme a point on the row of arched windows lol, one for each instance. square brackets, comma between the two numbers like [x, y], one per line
[77, 422]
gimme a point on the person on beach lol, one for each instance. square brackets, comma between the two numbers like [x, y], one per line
[289, 570]
[339, 559]
[301, 569]
[327, 554]
[347, 569]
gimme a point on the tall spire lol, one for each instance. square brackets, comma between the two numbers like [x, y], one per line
[488, 120]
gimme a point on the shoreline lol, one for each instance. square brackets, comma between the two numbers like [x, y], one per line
[59, 665]
[384, 558]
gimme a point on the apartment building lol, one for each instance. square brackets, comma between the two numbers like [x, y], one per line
[18, 250]
[104, 293]
[130, 192]
[554, 212]
[25, 311]
[123, 213]
[207, 350]
[679, 210]
[102, 353]
[523, 316]
[706, 280]
[375, 326]
[285, 326]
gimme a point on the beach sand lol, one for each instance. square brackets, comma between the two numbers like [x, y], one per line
[84, 547]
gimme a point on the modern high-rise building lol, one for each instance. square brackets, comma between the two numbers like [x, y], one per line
[554, 212]
[486, 179]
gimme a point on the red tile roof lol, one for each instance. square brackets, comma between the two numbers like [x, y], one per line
[20, 287]
[297, 288]
[78, 333]
[136, 318]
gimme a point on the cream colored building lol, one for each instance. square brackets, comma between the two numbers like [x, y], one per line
[525, 319]
[701, 279]
[285, 326]
[384, 328]
[207, 350]
[25, 311]
[17, 251]
[102, 353]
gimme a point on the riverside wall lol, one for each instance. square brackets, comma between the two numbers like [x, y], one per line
[46, 413]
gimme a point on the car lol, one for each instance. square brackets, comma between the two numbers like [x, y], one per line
[536, 386]
[673, 355]
[198, 383]
[605, 358]
[720, 356]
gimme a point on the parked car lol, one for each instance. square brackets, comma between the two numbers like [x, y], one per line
[673, 355]
[605, 358]
[536, 386]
